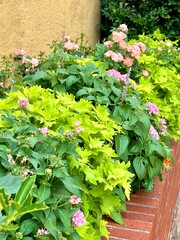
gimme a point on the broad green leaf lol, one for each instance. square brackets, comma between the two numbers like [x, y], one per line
[24, 190]
[43, 192]
[71, 80]
[38, 75]
[140, 167]
[27, 226]
[65, 218]
[121, 144]
[71, 185]
[10, 183]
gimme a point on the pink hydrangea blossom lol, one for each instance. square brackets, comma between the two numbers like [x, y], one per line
[163, 126]
[153, 132]
[19, 52]
[42, 231]
[75, 199]
[145, 73]
[117, 57]
[122, 44]
[116, 74]
[153, 109]
[78, 219]
[23, 102]
[142, 46]
[44, 130]
[118, 36]
[77, 123]
[128, 62]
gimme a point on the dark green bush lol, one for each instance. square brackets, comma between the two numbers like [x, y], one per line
[141, 17]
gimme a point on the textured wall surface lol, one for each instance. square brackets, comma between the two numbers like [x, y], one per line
[32, 24]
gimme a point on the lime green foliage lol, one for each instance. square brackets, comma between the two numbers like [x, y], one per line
[75, 156]
[162, 86]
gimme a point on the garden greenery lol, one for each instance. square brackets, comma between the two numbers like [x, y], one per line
[141, 17]
[81, 129]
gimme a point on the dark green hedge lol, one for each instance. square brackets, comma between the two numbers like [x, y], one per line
[142, 16]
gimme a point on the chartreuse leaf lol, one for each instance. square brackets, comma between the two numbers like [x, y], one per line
[24, 190]
[4, 201]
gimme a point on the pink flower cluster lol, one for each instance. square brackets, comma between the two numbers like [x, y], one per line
[130, 52]
[74, 199]
[163, 126]
[153, 132]
[42, 231]
[116, 57]
[78, 219]
[44, 130]
[78, 127]
[116, 74]
[70, 45]
[153, 109]
[23, 102]
[19, 52]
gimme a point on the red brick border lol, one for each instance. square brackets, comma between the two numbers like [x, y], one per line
[149, 215]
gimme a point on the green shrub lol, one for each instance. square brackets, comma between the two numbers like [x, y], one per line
[65, 146]
[141, 17]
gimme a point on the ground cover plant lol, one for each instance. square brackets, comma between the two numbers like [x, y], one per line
[58, 151]
[83, 129]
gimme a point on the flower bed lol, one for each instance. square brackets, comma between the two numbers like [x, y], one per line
[149, 214]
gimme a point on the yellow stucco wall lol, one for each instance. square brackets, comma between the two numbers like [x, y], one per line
[32, 24]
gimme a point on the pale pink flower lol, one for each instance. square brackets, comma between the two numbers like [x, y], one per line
[145, 73]
[118, 36]
[77, 123]
[71, 46]
[153, 109]
[23, 102]
[34, 62]
[10, 159]
[123, 28]
[108, 43]
[163, 126]
[128, 62]
[75, 199]
[1, 84]
[19, 52]
[67, 38]
[136, 51]
[117, 57]
[69, 134]
[44, 130]
[24, 160]
[109, 53]
[25, 60]
[153, 132]
[26, 173]
[42, 231]
[159, 48]
[142, 46]
[78, 219]
[122, 44]
[79, 129]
